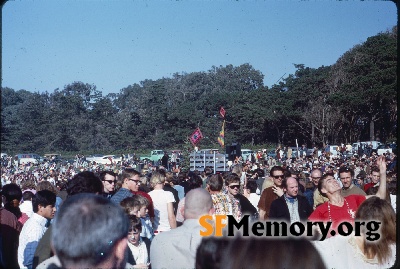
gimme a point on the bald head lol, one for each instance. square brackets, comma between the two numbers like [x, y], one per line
[198, 202]
[291, 186]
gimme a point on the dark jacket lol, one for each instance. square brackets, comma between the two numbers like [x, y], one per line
[130, 258]
[168, 187]
[280, 211]
[245, 206]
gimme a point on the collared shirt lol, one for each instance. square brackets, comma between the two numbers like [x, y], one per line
[353, 189]
[176, 248]
[293, 207]
[120, 195]
[29, 238]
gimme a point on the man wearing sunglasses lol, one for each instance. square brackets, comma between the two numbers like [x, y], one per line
[271, 193]
[232, 181]
[130, 183]
[108, 178]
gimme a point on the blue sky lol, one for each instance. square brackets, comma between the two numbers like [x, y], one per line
[114, 44]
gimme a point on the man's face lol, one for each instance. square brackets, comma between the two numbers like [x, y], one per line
[233, 188]
[330, 185]
[315, 177]
[47, 212]
[292, 188]
[375, 177]
[134, 183]
[346, 179]
[360, 181]
[108, 183]
[277, 177]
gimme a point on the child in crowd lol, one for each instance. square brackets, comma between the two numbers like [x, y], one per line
[137, 206]
[139, 247]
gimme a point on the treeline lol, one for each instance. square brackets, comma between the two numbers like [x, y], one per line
[353, 99]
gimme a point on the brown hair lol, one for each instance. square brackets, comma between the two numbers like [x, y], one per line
[128, 173]
[375, 169]
[376, 209]
[215, 182]
[128, 204]
[321, 183]
[46, 185]
[232, 178]
[28, 184]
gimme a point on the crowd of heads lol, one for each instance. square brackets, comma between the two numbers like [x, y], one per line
[107, 227]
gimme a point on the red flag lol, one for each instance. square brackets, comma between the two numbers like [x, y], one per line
[222, 112]
[196, 136]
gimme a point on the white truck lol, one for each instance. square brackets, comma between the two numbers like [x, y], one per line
[383, 149]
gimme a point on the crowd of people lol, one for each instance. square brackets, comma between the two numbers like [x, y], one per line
[84, 215]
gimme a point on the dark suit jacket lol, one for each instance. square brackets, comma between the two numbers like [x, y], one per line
[280, 211]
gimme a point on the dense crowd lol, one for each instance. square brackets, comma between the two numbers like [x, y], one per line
[154, 212]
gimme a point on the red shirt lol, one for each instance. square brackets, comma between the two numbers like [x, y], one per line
[338, 214]
[368, 185]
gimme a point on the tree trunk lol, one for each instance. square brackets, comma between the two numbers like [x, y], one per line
[372, 130]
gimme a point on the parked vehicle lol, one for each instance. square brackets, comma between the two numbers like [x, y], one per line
[93, 157]
[27, 158]
[383, 149]
[49, 156]
[106, 159]
[334, 150]
[246, 154]
[364, 144]
[155, 155]
[310, 152]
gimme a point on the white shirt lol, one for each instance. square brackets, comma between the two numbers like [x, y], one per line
[393, 201]
[26, 207]
[342, 252]
[139, 252]
[160, 200]
[31, 233]
[254, 198]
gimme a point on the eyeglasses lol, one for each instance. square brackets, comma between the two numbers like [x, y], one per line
[111, 181]
[278, 176]
[234, 187]
[137, 181]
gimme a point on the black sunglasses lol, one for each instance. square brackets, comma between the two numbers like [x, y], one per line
[111, 181]
[276, 177]
[234, 187]
[137, 181]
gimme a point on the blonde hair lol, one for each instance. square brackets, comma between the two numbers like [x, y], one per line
[157, 178]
